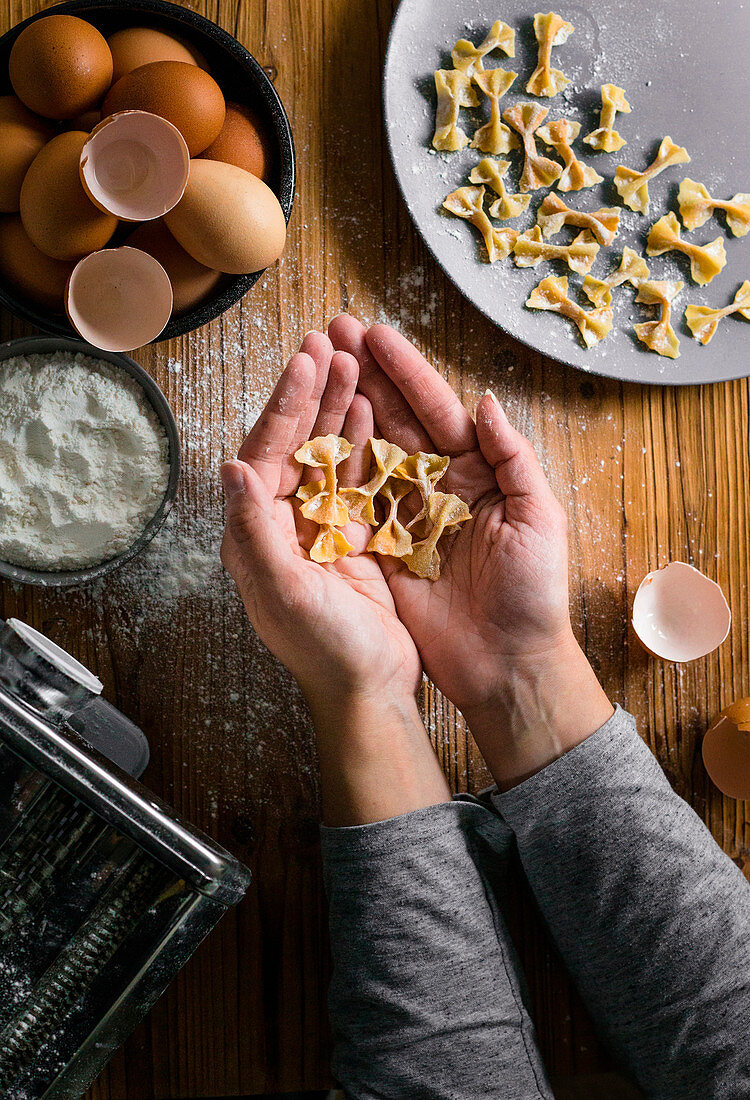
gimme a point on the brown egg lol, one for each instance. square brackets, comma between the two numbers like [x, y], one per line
[726, 750]
[28, 271]
[60, 66]
[243, 141]
[87, 121]
[22, 135]
[56, 212]
[228, 219]
[191, 281]
[183, 94]
[136, 46]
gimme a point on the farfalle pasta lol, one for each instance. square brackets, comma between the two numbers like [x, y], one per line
[553, 214]
[538, 171]
[552, 294]
[469, 58]
[492, 173]
[575, 175]
[704, 321]
[394, 475]
[550, 30]
[633, 186]
[468, 203]
[697, 206]
[494, 137]
[633, 269]
[706, 261]
[605, 138]
[454, 91]
[659, 335]
[531, 249]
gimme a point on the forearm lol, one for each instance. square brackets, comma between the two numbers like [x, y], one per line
[652, 919]
[376, 760]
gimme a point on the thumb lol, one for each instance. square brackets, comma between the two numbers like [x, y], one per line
[512, 457]
[254, 546]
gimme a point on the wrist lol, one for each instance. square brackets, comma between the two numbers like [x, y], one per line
[537, 709]
[375, 757]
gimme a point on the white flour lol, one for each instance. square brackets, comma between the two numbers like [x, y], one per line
[84, 461]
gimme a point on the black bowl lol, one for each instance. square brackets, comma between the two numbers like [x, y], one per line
[241, 79]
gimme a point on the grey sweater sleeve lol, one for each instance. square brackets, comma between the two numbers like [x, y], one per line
[650, 916]
[425, 1000]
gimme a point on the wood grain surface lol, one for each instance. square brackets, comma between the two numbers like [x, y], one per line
[647, 476]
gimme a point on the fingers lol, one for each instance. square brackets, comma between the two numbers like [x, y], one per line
[358, 427]
[431, 398]
[513, 458]
[255, 549]
[395, 419]
[270, 446]
[320, 349]
[337, 396]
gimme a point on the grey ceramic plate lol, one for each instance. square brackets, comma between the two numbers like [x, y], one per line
[684, 69]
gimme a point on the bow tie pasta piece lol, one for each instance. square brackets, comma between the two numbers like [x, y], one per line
[330, 544]
[492, 172]
[697, 206]
[324, 506]
[469, 58]
[633, 186]
[553, 214]
[530, 250]
[423, 470]
[633, 269]
[392, 539]
[538, 171]
[605, 138]
[550, 30]
[704, 321]
[468, 203]
[443, 510]
[559, 135]
[659, 335]
[552, 294]
[454, 91]
[706, 261]
[359, 502]
[494, 137]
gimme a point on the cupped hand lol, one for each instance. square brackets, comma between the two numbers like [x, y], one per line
[334, 626]
[493, 631]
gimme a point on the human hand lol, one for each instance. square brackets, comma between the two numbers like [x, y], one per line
[334, 626]
[494, 631]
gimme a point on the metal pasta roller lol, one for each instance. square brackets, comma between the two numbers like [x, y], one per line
[104, 891]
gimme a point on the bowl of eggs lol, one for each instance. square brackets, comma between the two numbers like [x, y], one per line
[147, 175]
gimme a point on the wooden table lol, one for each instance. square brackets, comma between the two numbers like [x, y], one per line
[647, 476]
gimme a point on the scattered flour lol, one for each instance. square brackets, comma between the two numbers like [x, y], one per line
[84, 461]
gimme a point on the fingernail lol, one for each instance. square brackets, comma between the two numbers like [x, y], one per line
[233, 478]
[498, 406]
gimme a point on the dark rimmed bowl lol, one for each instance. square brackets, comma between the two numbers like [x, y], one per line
[47, 345]
[241, 79]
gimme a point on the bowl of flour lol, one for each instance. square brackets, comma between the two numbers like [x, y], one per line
[89, 460]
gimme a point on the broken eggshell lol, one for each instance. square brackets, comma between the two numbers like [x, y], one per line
[119, 299]
[726, 750]
[135, 165]
[679, 614]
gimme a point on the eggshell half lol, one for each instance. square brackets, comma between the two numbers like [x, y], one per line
[243, 141]
[228, 219]
[27, 270]
[679, 614]
[133, 47]
[119, 299]
[726, 756]
[183, 94]
[60, 66]
[135, 165]
[22, 135]
[191, 282]
[56, 211]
